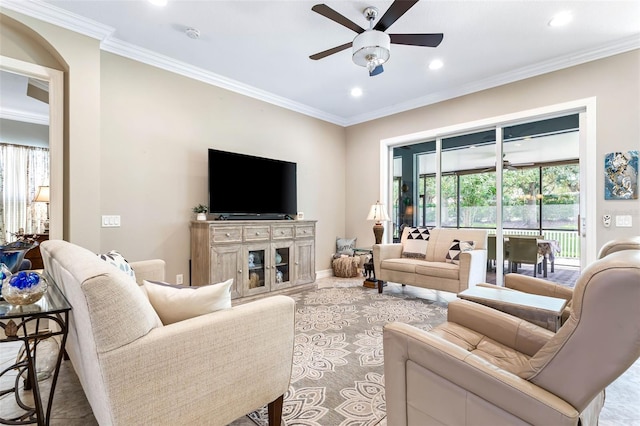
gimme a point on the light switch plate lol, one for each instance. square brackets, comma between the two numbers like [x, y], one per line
[110, 221]
[624, 221]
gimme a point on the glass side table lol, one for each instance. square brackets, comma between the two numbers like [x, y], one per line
[27, 324]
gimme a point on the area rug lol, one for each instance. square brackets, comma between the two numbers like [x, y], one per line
[338, 376]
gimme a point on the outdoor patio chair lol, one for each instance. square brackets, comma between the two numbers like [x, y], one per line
[525, 250]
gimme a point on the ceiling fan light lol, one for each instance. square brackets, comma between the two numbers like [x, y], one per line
[371, 49]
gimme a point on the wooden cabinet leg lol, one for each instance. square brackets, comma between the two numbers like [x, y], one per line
[275, 411]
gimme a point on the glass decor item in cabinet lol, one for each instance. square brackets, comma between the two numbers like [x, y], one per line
[282, 265]
[256, 267]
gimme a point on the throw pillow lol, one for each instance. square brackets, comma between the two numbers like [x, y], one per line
[414, 242]
[457, 247]
[175, 303]
[116, 259]
[345, 246]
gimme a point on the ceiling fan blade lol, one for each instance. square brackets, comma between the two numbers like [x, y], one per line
[329, 13]
[427, 40]
[328, 52]
[395, 11]
[377, 70]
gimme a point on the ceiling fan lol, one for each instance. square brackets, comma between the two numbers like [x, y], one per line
[508, 165]
[371, 47]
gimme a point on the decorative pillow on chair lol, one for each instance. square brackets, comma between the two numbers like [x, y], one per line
[457, 247]
[175, 303]
[345, 246]
[116, 259]
[414, 242]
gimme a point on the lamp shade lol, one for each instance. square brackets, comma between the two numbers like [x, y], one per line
[42, 196]
[378, 213]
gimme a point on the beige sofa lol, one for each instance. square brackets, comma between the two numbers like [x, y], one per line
[210, 369]
[433, 271]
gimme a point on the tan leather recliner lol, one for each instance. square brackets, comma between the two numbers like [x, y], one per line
[547, 288]
[486, 367]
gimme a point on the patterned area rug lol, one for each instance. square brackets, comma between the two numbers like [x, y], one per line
[338, 376]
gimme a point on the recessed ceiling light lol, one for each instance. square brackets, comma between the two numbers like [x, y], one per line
[356, 92]
[561, 19]
[436, 64]
[158, 2]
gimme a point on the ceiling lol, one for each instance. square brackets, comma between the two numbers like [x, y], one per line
[261, 48]
[16, 105]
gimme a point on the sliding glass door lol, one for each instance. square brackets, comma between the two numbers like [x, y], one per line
[456, 181]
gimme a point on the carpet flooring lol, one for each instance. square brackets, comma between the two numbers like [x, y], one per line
[339, 363]
[338, 376]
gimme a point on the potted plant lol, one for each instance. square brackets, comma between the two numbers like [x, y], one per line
[201, 211]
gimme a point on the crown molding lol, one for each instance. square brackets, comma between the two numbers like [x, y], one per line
[24, 116]
[54, 15]
[79, 24]
[619, 46]
[149, 57]
[60, 17]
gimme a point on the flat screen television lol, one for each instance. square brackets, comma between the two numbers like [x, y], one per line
[242, 185]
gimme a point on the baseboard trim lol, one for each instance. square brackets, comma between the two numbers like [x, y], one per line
[325, 273]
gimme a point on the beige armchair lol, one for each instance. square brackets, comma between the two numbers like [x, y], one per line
[486, 367]
[210, 369]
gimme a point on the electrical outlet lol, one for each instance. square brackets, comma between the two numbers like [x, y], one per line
[606, 220]
[179, 279]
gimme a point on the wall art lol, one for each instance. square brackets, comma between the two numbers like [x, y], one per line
[621, 176]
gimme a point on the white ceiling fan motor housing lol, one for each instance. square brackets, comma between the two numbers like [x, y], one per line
[371, 46]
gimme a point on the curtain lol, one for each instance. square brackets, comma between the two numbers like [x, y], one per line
[22, 170]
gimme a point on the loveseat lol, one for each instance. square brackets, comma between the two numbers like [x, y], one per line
[210, 369]
[430, 258]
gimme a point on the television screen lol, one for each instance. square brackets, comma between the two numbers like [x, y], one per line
[244, 184]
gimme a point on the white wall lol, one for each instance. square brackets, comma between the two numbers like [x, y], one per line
[614, 81]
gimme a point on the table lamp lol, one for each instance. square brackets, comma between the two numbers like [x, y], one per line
[378, 213]
[42, 196]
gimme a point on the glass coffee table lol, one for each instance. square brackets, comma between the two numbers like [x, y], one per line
[544, 311]
[33, 324]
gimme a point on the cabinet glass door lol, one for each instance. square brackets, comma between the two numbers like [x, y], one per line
[282, 265]
[257, 261]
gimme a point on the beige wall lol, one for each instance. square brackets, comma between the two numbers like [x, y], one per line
[136, 140]
[156, 129]
[79, 57]
[614, 81]
[136, 145]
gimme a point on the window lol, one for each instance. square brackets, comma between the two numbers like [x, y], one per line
[22, 170]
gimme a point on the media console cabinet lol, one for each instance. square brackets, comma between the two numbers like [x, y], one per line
[262, 256]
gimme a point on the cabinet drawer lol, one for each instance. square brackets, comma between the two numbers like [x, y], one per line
[279, 232]
[256, 233]
[304, 231]
[227, 234]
